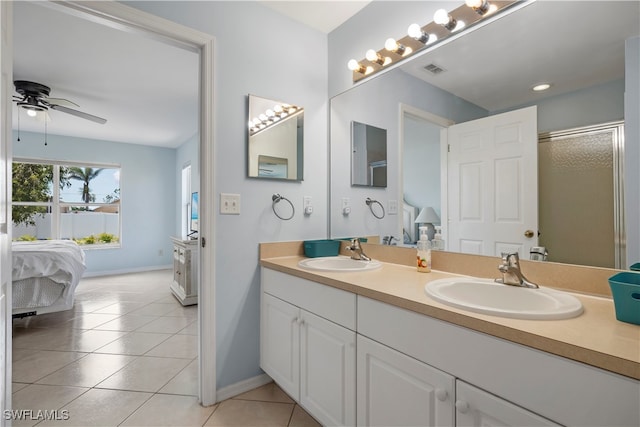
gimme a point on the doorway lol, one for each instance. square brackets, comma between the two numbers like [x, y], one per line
[132, 20]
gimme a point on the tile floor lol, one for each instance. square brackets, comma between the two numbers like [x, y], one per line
[126, 355]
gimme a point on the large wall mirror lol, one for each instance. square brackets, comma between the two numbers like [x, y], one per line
[368, 155]
[275, 139]
[582, 57]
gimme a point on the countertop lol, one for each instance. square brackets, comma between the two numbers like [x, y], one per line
[595, 338]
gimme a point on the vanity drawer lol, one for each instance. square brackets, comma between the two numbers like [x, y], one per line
[333, 304]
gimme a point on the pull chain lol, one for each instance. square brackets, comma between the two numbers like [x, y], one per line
[45, 131]
[19, 124]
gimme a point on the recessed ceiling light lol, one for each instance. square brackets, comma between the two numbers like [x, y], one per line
[541, 86]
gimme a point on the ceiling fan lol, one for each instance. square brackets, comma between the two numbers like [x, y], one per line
[34, 97]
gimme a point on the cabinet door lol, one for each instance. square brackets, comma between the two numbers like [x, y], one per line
[176, 265]
[477, 408]
[327, 370]
[280, 343]
[397, 390]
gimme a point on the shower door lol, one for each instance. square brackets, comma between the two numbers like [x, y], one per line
[581, 206]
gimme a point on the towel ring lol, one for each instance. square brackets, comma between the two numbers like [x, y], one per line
[276, 199]
[371, 202]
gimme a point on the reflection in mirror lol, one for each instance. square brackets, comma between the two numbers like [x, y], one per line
[588, 88]
[368, 155]
[275, 139]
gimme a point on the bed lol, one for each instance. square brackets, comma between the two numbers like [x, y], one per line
[45, 275]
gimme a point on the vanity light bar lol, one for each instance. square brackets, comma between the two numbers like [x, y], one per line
[272, 116]
[425, 36]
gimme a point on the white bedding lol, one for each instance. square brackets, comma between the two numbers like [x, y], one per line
[45, 275]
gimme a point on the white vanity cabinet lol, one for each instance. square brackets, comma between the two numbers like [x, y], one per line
[397, 390]
[308, 345]
[499, 382]
[185, 271]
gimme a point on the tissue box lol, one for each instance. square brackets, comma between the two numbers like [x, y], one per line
[625, 288]
[318, 248]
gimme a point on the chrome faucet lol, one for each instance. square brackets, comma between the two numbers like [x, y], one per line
[356, 251]
[511, 274]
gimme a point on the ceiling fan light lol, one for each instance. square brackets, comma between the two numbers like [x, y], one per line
[31, 112]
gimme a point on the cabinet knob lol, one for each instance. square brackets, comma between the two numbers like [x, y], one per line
[462, 406]
[441, 394]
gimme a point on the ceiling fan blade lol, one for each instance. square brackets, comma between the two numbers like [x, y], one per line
[78, 113]
[62, 101]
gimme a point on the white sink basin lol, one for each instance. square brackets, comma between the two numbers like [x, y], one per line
[487, 297]
[338, 263]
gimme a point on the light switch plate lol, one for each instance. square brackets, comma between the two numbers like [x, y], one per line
[393, 207]
[306, 205]
[346, 206]
[229, 204]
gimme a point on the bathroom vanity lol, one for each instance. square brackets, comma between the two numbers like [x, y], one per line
[370, 348]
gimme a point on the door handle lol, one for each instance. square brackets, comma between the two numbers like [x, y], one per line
[529, 234]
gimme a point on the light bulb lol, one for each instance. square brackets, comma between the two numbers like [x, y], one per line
[474, 3]
[432, 38]
[371, 55]
[270, 113]
[263, 117]
[459, 25]
[31, 113]
[278, 108]
[391, 45]
[353, 65]
[441, 17]
[414, 31]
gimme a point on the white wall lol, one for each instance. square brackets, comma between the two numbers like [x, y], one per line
[261, 52]
[147, 193]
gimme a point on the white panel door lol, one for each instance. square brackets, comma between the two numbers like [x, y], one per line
[280, 343]
[477, 408]
[6, 92]
[397, 390]
[328, 371]
[492, 184]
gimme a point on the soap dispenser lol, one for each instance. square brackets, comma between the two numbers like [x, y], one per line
[424, 251]
[437, 244]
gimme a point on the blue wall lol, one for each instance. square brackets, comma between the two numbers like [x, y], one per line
[260, 52]
[147, 191]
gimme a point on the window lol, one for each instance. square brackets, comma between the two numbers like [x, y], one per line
[70, 201]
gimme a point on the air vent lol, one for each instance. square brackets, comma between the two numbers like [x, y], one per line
[433, 69]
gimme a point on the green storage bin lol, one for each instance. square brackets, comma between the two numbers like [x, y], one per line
[625, 288]
[319, 248]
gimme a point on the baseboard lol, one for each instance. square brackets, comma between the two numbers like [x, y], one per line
[127, 271]
[232, 390]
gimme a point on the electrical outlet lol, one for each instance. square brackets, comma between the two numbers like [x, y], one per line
[307, 208]
[346, 206]
[229, 204]
[393, 207]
